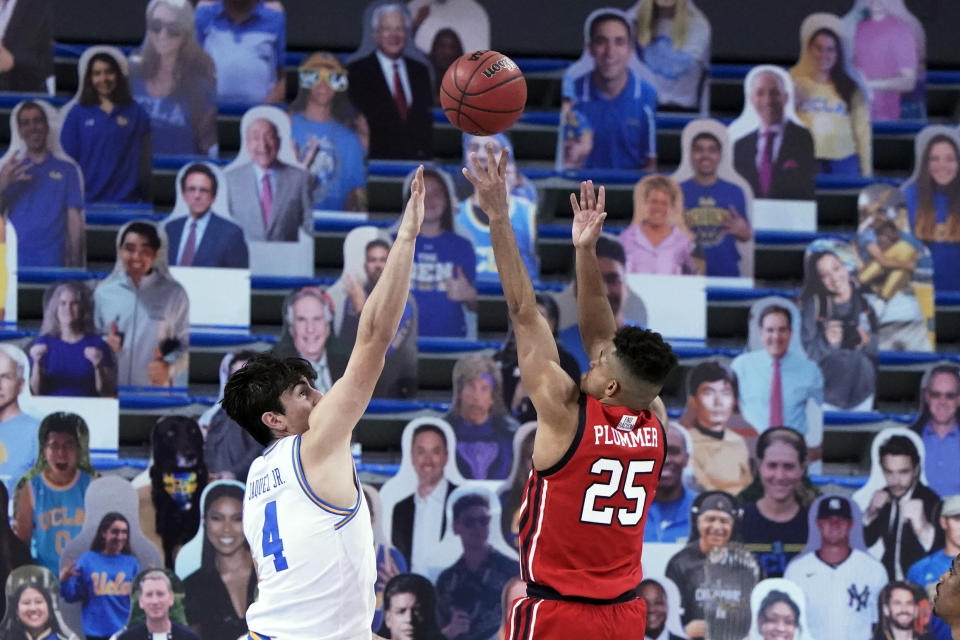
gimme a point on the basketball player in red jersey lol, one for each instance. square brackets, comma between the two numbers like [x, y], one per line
[598, 449]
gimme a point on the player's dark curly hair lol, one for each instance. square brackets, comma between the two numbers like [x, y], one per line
[256, 387]
[645, 354]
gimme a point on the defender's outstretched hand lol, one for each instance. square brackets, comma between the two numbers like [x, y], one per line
[490, 182]
[588, 215]
[413, 216]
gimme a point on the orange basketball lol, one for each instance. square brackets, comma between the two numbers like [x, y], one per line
[483, 93]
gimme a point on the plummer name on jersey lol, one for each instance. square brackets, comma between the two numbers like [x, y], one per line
[642, 437]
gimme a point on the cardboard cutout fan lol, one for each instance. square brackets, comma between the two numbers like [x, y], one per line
[270, 196]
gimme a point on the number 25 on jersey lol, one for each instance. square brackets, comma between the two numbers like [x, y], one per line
[272, 545]
[631, 491]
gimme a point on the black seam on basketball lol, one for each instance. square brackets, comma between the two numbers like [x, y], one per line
[456, 65]
[481, 130]
[479, 64]
[470, 106]
[491, 88]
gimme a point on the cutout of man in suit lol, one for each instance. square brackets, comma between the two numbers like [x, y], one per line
[777, 158]
[268, 198]
[203, 238]
[393, 91]
[419, 520]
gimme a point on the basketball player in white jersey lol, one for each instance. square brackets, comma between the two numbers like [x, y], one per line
[303, 515]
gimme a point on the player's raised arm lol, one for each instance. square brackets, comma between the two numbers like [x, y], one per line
[597, 323]
[333, 420]
[548, 386]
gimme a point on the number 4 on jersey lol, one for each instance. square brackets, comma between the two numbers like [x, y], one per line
[608, 489]
[272, 544]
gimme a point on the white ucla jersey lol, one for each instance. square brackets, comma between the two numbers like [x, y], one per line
[843, 598]
[315, 562]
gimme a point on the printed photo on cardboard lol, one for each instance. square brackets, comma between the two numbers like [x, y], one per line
[839, 326]
[269, 195]
[102, 561]
[890, 51]
[933, 201]
[937, 422]
[717, 201]
[832, 99]
[111, 146]
[673, 42]
[41, 192]
[777, 604]
[428, 465]
[774, 152]
[778, 385]
[175, 81]
[590, 136]
[144, 312]
[400, 123]
[896, 271]
[33, 606]
[69, 357]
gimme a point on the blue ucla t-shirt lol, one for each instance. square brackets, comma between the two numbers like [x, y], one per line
[172, 121]
[338, 164]
[624, 127]
[705, 210]
[107, 147]
[37, 208]
[435, 260]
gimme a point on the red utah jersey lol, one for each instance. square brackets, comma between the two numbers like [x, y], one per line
[581, 521]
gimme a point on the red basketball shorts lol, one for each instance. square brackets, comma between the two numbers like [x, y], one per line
[537, 619]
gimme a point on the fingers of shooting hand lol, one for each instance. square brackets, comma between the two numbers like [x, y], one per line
[477, 167]
[602, 199]
[504, 160]
[591, 196]
[418, 181]
[574, 203]
[491, 162]
[469, 177]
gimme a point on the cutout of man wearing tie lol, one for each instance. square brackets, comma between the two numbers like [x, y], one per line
[202, 238]
[268, 198]
[776, 382]
[392, 90]
[777, 157]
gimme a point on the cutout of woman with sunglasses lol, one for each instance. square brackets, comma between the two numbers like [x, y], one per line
[175, 81]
